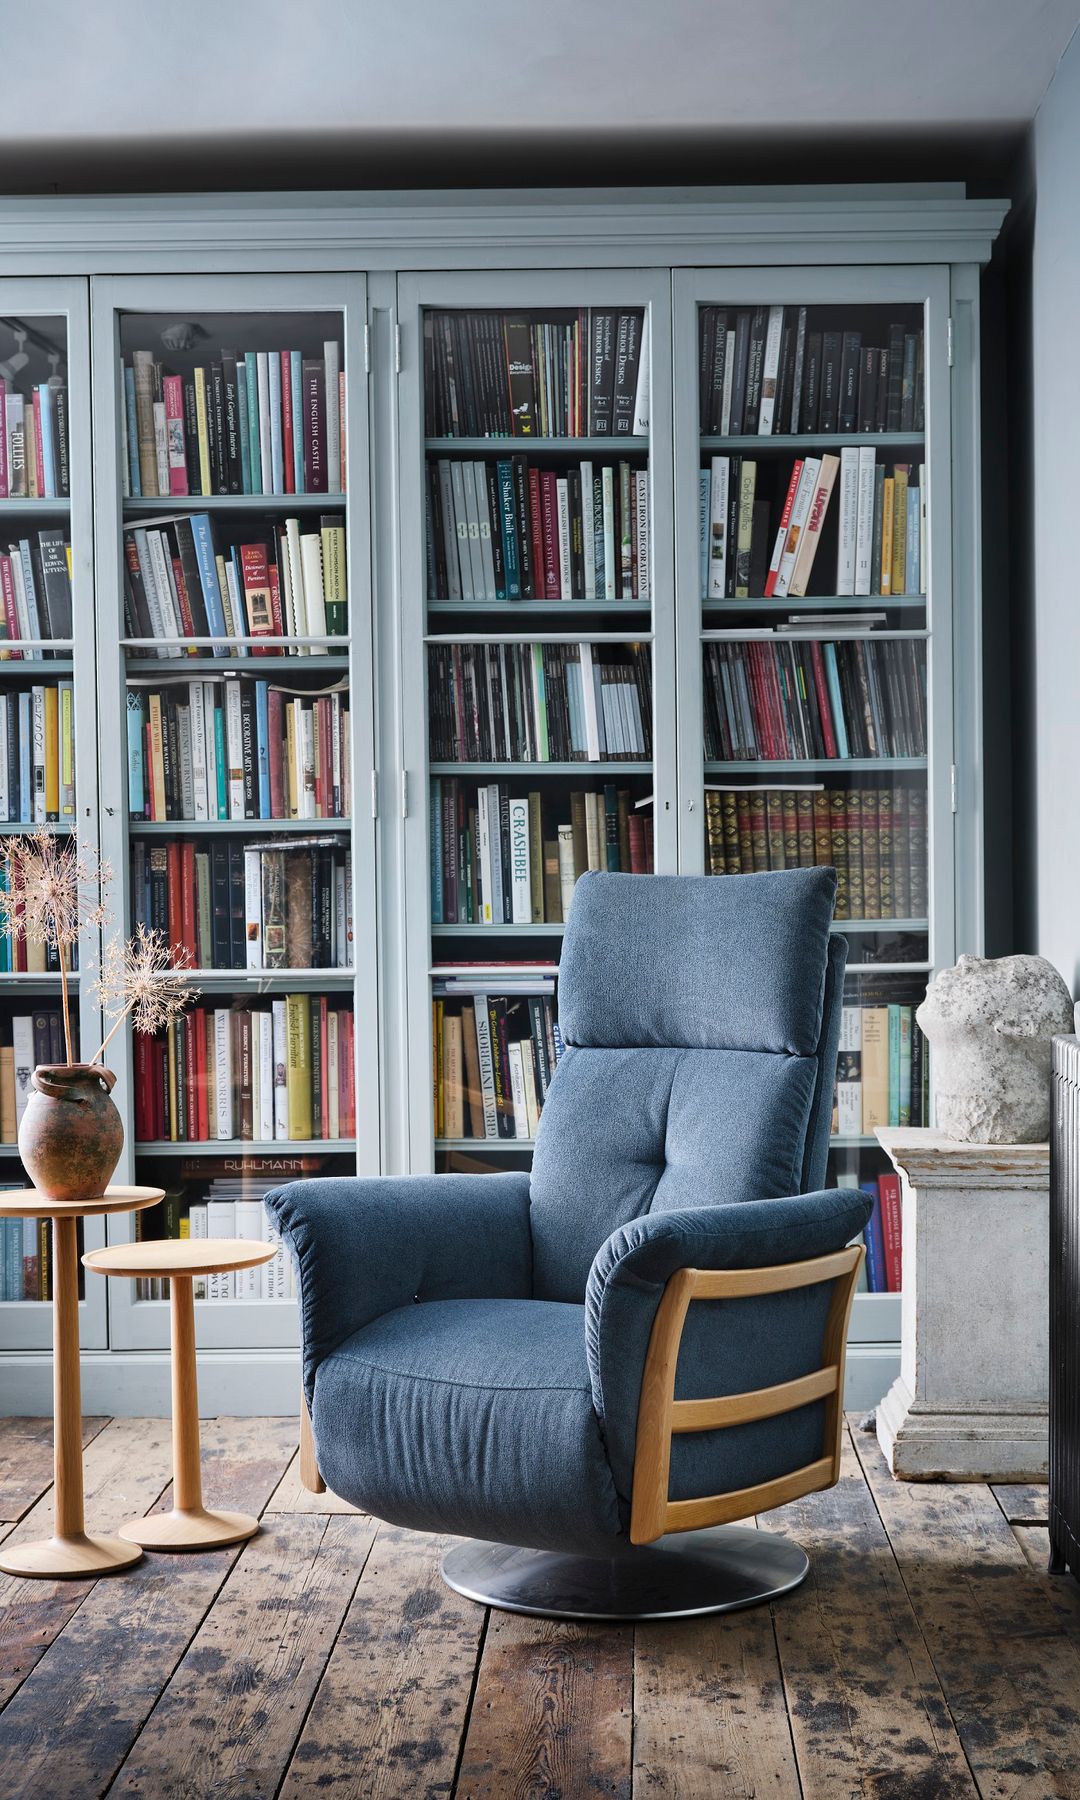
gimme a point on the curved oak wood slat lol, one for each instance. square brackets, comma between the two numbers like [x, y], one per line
[660, 1415]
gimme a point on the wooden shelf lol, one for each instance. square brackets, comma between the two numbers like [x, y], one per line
[270, 979]
[248, 1147]
[11, 828]
[14, 503]
[814, 603]
[828, 440]
[37, 666]
[509, 770]
[247, 827]
[256, 666]
[851, 764]
[539, 446]
[181, 503]
[562, 607]
[843, 926]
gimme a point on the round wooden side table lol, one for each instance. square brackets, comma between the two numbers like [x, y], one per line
[71, 1550]
[190, 1525]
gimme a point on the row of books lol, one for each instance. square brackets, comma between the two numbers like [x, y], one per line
[248, 906]
[503, 858]
[35, 459]
[881, 527]
[776, 369]
[35, 591]
[248, 422]
[26, 1258]
[232, 1208]
[29, 1039]
[539, 702]
[874, 837]
[508, 531]
[882, 1071]
[178, 584]
[37, 754]
[282, 1071]
[221, 748]
[782, 700]
[494, 1056]
[578, 373]
[883, 1235]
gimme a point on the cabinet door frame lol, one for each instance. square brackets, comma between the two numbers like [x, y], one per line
[498, 290]
[929, 286]
[251, 1324]
[27, 1324]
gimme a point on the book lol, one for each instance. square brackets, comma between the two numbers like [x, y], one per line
[841, 699]
[575, 373]
[525, 702]
[807, 370]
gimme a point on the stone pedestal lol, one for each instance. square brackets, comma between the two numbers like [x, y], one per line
[970, 1402]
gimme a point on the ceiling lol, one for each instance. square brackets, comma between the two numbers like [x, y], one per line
[121, 79]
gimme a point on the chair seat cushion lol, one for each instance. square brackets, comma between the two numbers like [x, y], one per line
[472, 1417]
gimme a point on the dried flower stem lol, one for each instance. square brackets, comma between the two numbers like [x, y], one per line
[141, 980]
[52, 889]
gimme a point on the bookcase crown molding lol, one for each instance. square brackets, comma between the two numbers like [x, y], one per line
[505, 228]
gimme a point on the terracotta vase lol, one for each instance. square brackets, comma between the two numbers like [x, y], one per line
[71, 1134]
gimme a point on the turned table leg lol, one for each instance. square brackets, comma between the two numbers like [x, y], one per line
[70, 1550]
[190, 1525]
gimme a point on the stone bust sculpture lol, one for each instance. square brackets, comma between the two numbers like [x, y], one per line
[989, 1022]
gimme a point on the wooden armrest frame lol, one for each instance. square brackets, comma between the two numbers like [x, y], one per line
[310, 1479]
[660, 1415]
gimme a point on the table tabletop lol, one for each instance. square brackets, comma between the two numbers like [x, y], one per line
[179, 1256]
[27, 1203]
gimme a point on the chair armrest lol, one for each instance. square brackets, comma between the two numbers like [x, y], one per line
[627, 1281]
[362, 1248]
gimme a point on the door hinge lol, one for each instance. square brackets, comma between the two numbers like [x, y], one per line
[367, 347]
[374, 793]
[950, 341]
[952, 785]
[404, 793]
[397, 349]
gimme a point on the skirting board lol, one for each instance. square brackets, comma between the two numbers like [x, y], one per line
[925, 1444]
[265, 1383]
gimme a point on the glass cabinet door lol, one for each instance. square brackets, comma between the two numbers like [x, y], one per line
[815, 650]
[537, 613]
[235, 652]
[48, 731]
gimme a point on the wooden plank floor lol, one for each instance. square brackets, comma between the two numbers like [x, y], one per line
[927, 1655]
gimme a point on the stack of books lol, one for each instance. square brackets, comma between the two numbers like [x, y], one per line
[280, 1071]
[510, 531]
[34, 455]
[874, 837]
[796, 700]
[27, 1040]
[539, 702]
[282, 581]
[779, 369]
[496, 1049]
[880, 526]
[278, 905]
[35, 591]
[503, 858]
[37, 754]
[581, 373]
[237, 749]
[246, 422]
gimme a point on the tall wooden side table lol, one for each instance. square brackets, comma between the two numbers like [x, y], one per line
[71, 1550]
[190, 1525]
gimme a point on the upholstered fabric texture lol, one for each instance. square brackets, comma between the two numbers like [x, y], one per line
[473, 1345]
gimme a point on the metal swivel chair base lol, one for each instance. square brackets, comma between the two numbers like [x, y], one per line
[719, 1570]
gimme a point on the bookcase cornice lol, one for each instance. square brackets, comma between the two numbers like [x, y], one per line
[435, 230]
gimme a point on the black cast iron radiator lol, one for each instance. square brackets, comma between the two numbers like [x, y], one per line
[1065, 1308]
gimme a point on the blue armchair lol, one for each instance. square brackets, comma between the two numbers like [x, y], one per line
[645, 1336]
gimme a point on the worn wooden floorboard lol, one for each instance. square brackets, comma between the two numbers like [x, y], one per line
[928, 1655]
[26, 1462]
[1022, 1502]
[231, 1714]
[1011, 1676]
[291, 1497]
[552, 1713]
[400, 1674]
[81, 1708]
[867, 1712]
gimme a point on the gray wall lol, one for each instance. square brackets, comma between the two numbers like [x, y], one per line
[1048, 788]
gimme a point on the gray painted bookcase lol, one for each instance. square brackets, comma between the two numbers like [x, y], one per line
[364, 270]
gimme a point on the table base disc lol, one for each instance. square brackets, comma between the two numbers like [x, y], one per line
[200, 1529]
[81, 1555]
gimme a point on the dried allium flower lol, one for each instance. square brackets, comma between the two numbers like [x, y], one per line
[52, 889]
[144, 979]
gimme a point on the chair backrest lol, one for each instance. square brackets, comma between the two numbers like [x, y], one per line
[701, 1017]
